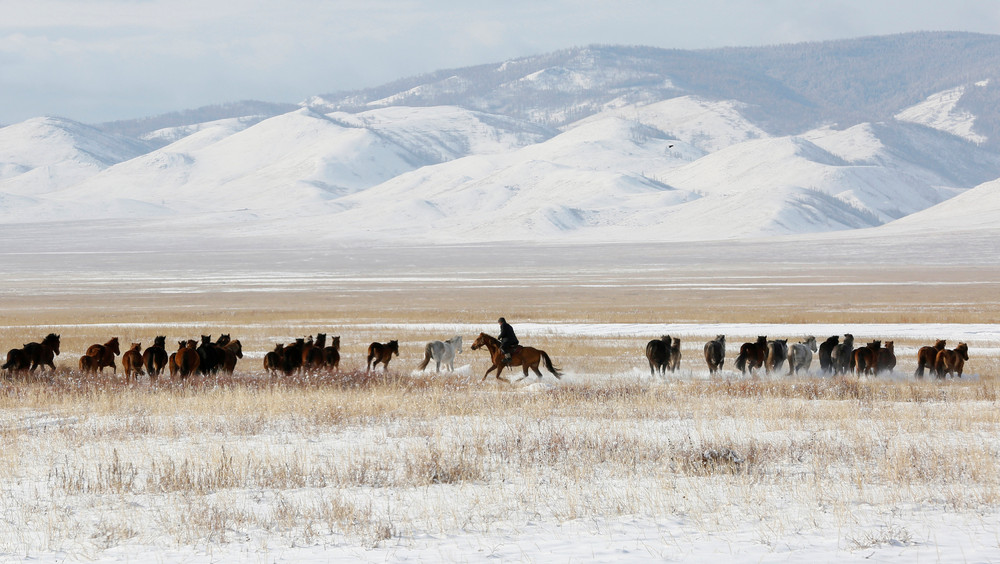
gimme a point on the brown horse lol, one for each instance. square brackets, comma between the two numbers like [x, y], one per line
[675, 354]
[312, 354]
[525, 357]
[658, 355]
[927, 357]
[154, 358]
[186, 359]
[89, 363]
[378, 352]
[331, 354]
[274, 361]
[105, 355]
[752, 355]
[777, 354]
[886, 358]
[952, 361]
[864, 359]
[233, 351]
[715, 354]
[43, 353]
[132, 362]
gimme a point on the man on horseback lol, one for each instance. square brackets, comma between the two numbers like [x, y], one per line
[507, 338]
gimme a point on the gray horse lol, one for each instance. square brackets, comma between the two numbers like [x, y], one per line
[800, 355]
[442, 352]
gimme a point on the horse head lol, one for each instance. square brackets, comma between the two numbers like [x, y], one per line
[160, 341]
[113, 346]
[394, 347]
[52, 340]
[963, 350]
[481, 341]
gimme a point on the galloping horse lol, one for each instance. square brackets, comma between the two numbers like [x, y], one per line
[826, 354]
[442, 351]
[186, 361]
[154, 358]
[379, 352]
[312, 353]
[274, 361]
[132, 362]
[715, 354]
[800, 355]
[952, 361]
[865, 358]
[525, 357]
[103, 355]
[675, 354]
[17, 361]
[841, 355]
[331, 354]
[658, 354]
[927, 356]
[44, 352]
[752, 355]
[886, 361]
[777, 353]
[233, 351]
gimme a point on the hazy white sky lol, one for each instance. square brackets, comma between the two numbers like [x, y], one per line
[97, 60]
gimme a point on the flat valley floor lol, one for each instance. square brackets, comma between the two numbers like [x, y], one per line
[607, 464]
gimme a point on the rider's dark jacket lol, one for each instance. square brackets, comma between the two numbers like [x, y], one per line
[507, 338]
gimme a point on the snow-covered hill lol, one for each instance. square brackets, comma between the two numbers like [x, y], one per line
[654, 162]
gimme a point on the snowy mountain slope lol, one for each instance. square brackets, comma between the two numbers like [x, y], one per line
[41, 155]
[623, 144]
[294, 162]
[978, 208]
[940, 111]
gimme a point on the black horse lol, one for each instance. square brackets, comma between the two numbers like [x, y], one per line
[658, 355]
[715, 354]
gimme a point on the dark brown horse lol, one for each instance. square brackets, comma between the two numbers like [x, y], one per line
[842, 354]
[927, 357]
[886, 358]
[379, 352]
[525, 357]
[154, 358]
[826, 354]
[132, 362]
[752, 355]
[43, 353]
[104, 354]
[233, 351]
[952, 361]
[715, 354]
[864, 359]
[658, 355]
[312, 354]
[274, 361]
[331, 354]
[18, 360]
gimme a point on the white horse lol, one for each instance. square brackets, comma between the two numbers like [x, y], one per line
[442, 351]
[800, 355]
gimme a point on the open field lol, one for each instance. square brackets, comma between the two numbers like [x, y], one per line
[607, 464]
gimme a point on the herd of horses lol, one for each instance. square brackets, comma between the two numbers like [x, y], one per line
[835, 356]
[207, 357]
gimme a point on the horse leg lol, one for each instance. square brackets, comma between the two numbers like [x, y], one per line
[491, 369]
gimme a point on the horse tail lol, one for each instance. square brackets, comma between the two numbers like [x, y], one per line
[741, 362]
[548, 365]
[427, 357]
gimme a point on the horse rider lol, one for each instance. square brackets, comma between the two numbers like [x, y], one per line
[507, 338]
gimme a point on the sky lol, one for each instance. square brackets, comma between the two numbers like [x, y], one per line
[103, 60]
